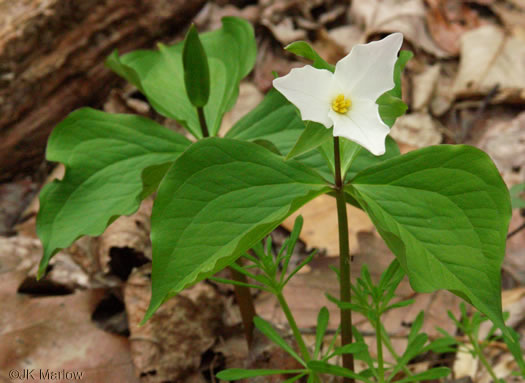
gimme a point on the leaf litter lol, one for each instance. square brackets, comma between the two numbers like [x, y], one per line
[464, 85]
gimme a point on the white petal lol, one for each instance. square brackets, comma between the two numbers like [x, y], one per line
[368, 70]
[310, 90]
[363, 125]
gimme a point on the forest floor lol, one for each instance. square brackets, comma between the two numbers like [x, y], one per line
[464, 85]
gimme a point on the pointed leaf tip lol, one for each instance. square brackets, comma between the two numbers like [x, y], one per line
[196, 70]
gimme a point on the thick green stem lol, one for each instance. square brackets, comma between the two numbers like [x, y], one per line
[202, 122]
[344, 261]
[293, 325]
[245, 302]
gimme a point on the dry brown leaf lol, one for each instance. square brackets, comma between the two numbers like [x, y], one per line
[328, 48]
[284, 31]
[346, 36]
[417, 130]
[513, 302]
[514, 261]
[447, 20]
[56, 333]
[512, 18]
[490, 58]
[424, 87]
[170, 345]
[120, 100]
[504, 142]
[406, 16]
[270, 59]
[320, 228]
[465, 365]
[503, 368]
[126, 243]
[28, 218]
[23, 253]
[14, 198]
[443, 97]
[210, 16]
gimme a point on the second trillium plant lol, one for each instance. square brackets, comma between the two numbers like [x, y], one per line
[442, 210]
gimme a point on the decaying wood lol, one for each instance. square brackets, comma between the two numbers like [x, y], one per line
[52, 56]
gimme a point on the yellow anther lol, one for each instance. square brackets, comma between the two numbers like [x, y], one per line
[341, 104]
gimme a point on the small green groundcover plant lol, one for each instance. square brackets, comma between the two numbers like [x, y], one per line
[443, 210]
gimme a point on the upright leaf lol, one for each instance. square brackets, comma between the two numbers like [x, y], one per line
[196, 71]
[444, 212]
[217, 201]
[112, 162]
[159, 74]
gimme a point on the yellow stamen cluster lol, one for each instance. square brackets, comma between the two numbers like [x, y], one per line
[341, 104]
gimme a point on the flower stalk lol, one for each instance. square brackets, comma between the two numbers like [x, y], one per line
[344, 261]
[202, 122]
[293, 325]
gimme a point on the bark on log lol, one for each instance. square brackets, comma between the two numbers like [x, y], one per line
[52, 56]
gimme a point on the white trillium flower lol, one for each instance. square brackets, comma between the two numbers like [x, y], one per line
[346, 99]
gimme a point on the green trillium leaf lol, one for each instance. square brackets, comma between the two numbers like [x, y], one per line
[112, 161]
[159, 74]
[444, 212]
[218, 200]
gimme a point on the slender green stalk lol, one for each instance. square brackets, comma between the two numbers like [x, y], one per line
[386, 341]
[293, 325]
[482, 358]
[245, 302]
[202, 122]
[344, 261]
[379, 340]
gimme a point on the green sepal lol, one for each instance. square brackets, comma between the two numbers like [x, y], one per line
[391, 106]
[313, 136]
[303, 49]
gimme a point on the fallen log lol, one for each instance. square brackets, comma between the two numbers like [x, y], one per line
[52, 61]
